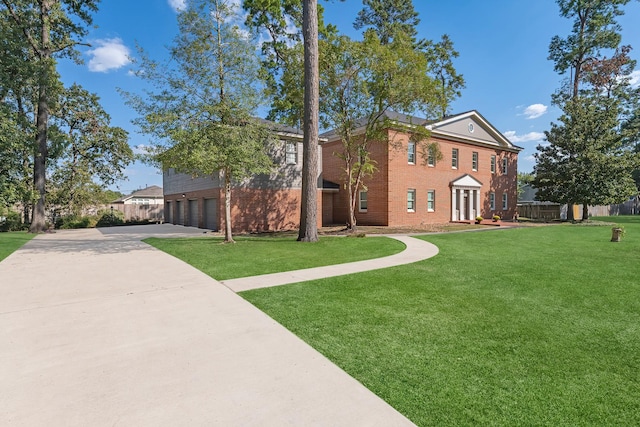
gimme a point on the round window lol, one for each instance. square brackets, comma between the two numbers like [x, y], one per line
[471, 128]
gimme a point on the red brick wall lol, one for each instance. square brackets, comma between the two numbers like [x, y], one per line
[387, 189]
[252, 210]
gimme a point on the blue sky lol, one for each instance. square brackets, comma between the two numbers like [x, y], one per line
[503, 46]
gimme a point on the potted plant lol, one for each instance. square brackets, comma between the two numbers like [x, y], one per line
[496, 218]
[479, 219]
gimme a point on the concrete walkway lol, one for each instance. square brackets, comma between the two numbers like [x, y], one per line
[100, 329]
[416, 250]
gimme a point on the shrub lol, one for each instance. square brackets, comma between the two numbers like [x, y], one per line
[479, 218]
[12, 222]
[75, 221]
[109, 218]
[496, 218]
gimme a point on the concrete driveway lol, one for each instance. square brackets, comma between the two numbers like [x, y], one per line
[100, 329]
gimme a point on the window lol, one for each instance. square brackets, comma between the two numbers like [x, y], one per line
[431, 157]
[411, 158]
[291, 153]
[474, 161]
[504, 166]
[431, 200]
[362, 202]
[411, 200]
[504, 201]
[492, 201]
[493, 164]
[454, 158]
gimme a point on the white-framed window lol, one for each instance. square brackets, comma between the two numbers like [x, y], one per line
[362, 201]
[291, 149]
[474, 161]
[411, 200]
[504, 201]
[492, 201]
[454, 158]
[505, 163]
[431, 157]
[431, 200]
[493, 164]
[411, 153]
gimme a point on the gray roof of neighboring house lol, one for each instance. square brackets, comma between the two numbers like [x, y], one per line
[150, 192]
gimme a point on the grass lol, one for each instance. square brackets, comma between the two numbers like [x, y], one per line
[251, 256]
[529, 326]
[10, 242]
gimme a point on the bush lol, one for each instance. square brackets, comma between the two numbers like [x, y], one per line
[479, 218]
[75, 221]
[496, 218]
[109, 218]
[12, 222]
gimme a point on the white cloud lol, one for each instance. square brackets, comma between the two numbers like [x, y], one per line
[527, 137]
[634, 81]
[535, 110]
[110, 54]
[177, 5]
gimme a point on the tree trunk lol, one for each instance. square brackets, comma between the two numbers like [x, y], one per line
[309, 204]
[38, 220]
[228, 236]
[585, 211]
[352, 224]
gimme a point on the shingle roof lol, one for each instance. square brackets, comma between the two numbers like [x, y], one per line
[150, 192]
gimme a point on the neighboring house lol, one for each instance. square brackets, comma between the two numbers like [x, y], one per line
[262, 203]
[476, 175]
[147, 203]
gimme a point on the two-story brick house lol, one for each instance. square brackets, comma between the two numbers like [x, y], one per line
[265, 202]
[475, 174]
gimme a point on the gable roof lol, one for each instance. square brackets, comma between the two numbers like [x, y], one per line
[148, 193]
[455, 127]
[471, 127]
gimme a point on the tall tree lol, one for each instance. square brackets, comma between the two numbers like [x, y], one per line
[590, 158]
[308, 231]
[201, 113]
[47, 29]
[362, 82]
[90, 151]
[448, 83]
[388, 18]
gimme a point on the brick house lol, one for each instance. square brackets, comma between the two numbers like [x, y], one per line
[476, 175]
[262, 203]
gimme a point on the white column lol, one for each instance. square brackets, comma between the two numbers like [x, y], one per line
[454, 204]
[477, 195]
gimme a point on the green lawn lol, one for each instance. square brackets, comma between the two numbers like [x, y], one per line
[10, 242]
[530, 326]
[262, 255]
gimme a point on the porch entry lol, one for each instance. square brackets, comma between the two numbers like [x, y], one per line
[465, 198]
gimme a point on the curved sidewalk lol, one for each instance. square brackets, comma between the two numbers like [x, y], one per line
[101, 329]
[416, 250]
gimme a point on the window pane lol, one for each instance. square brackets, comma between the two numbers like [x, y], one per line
[493, 164]
[504, 165]
[291, 153]
[454, 158]
[363, 201]
[504, 201]
[492, 201]
[411, 200]
[412, 152]
[431, 200]
[431, 158]
[474, 161]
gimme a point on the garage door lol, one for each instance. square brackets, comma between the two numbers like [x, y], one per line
[193, 213]
[179, 212]
[168, 212]
[211, 214]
